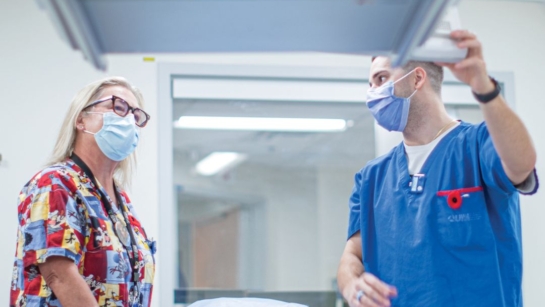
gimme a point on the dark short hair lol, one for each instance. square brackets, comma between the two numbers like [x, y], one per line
[435, 72]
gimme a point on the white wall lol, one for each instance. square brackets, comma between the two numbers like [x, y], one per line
[39, 74]
[334, 186]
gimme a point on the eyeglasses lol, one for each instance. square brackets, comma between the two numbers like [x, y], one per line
[122, 108]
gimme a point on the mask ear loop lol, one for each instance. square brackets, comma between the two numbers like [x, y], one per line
[91, 112]
[410, 72]
[416, 90]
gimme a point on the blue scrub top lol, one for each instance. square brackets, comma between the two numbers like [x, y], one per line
[450, 236]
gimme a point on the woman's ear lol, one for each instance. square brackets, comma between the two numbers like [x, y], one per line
[420, 77]
[79, 123]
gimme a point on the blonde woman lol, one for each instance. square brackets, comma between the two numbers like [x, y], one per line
[80, 242]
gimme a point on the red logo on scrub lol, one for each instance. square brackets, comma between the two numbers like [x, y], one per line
[454, 197]
[454, 200]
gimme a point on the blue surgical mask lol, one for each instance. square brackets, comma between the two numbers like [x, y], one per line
[390, 111]
[118, 136]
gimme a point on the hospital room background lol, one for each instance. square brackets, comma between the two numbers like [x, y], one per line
[273, 217]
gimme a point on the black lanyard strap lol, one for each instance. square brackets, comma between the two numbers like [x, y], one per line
[108, 206]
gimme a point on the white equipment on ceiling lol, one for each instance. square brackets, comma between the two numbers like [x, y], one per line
[372, 27]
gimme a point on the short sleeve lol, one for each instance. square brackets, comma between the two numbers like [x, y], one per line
[50, 221]
[530, 185]
[354, 204]
[492, 171]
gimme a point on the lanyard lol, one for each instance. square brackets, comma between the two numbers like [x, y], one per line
[104, 199]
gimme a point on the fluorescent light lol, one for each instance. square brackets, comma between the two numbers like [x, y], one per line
[261, 124]
[217, 162]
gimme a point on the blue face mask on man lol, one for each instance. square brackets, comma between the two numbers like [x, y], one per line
[118, 137]
[390, 111]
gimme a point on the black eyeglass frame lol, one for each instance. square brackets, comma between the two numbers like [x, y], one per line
[129, 108]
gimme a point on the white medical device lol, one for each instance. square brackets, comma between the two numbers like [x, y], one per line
[439, 47]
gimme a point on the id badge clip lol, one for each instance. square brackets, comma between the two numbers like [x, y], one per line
[417, 183]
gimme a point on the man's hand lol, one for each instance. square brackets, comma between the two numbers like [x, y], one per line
[375, 292]
[471, 70]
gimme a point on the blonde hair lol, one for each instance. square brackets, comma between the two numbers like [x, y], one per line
[67, 135]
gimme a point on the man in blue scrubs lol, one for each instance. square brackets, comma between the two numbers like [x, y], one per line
[436, 221]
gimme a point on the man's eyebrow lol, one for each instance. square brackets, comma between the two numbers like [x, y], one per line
[378, 73]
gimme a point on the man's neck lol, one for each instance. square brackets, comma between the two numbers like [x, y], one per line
[425, 122]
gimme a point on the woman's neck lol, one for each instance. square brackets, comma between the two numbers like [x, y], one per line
[103, 169]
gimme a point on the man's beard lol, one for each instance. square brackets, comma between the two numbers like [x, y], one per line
[417, 114]
[416, 109]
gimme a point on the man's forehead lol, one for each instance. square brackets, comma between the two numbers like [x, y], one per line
[380, 64]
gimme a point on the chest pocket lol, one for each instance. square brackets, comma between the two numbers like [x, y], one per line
[462, 219]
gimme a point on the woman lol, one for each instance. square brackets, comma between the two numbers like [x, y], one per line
[79, 240]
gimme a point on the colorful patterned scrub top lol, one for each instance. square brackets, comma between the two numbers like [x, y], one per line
[60, 214]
